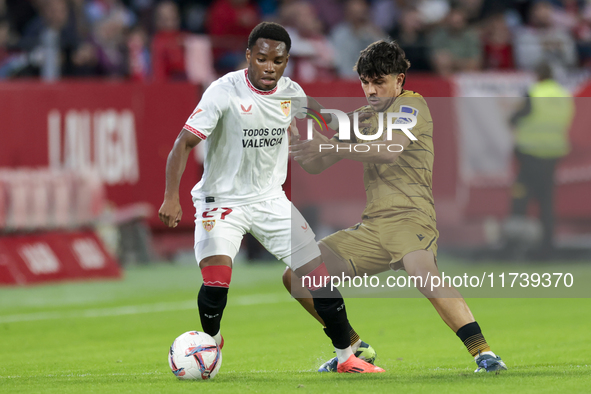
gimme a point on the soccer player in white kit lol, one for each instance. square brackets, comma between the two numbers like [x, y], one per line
[243, 118]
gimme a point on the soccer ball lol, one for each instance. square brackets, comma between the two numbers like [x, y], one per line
[195, 355]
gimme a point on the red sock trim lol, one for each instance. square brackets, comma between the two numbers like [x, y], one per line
[316, 279]
[217, 275]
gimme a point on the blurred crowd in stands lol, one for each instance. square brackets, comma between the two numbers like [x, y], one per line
[145, 40]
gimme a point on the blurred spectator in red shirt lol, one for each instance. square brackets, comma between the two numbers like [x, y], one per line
[229, 24]
[168, 44]
[498, 51]
[311, 55]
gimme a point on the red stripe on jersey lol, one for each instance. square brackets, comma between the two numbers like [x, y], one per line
[194, 131]
[258, 91]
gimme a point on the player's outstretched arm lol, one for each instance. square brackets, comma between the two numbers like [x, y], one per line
[302, 151]
[170, 212]
[378, 152]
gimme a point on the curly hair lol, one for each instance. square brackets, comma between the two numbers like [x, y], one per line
[382, 58]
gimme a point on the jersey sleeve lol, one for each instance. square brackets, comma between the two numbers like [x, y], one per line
[208, 112]
[411, 106]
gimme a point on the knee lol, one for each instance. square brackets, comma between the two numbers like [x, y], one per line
[429, 283]
[419, 279]
[425, 290]
[421, 269]
[308, 267]
[287, 278]
[216, 260]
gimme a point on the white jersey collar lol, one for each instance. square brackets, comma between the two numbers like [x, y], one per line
[258, 91]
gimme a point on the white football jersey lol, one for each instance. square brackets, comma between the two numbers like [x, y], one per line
[246, 141]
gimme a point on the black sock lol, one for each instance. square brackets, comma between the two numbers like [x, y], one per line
[331, 308]
[354, 337]
[473, 339]
[211, 302]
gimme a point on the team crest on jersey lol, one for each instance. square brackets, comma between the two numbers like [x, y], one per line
[286, 107]
[208, 225]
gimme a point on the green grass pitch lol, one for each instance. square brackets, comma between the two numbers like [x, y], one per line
[113, 337]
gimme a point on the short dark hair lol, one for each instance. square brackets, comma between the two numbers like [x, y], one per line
[544, 71]
[382, 58]
[271, 31]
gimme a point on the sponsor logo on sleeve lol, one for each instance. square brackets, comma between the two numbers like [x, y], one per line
[407, 110]
[198, 110]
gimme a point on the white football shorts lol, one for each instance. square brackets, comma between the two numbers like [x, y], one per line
[276, 223]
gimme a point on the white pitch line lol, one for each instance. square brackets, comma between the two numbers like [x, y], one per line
[139, 309]
[83, 375]
[98, 375]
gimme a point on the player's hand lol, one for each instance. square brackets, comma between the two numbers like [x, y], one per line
[170, 212]
[293, 132]
[363, 119]
[308, 150]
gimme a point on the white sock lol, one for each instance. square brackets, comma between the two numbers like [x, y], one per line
[344, 354]
[355, 346]
[218, 338]
[482, 353]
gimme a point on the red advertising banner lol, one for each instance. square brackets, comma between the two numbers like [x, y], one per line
[54, 256]
[121, 130]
